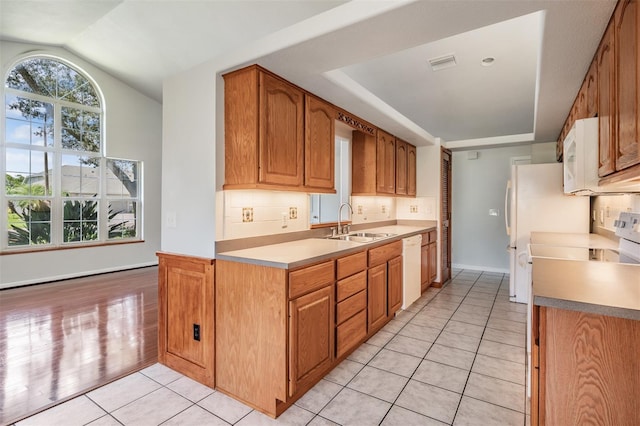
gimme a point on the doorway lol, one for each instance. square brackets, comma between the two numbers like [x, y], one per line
[445, 215]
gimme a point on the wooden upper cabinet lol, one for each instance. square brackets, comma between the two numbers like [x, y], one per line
[267, 134]
[591, 84]
[401, 167]
[411, 169]
[606, 102]
[386, 163]
[264, 135]
[363, 164]
[627, 36]
[281, 132]
[319, 144]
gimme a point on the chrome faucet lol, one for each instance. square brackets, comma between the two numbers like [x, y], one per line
[340, 215]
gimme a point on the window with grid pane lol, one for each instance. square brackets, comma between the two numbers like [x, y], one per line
[59, 188]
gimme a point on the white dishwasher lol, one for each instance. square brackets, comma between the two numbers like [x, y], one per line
[411, 270]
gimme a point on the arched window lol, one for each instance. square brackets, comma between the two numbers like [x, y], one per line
[59, 188]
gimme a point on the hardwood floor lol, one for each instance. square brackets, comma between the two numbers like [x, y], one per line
[58, 340]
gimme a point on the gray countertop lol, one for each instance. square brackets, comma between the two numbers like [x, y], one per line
[560, 239]
[604, 288]
[298, 253]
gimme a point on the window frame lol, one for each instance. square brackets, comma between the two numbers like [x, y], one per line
[57, 198]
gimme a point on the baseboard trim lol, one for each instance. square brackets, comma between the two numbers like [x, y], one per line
[479, 268]
[76, 275]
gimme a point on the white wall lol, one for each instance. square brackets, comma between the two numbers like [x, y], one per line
[189, 162]
[479, 240]
[133, 131]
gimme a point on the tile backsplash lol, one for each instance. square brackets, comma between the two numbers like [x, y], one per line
[251, 213]
[419, 208]
[605, 209]
[372, 209]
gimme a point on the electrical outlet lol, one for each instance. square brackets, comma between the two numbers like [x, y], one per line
[359, 209]
[196, 332]
[293, 212]
[247, 214]
[383, 208]
[285, 218]
[413, 209]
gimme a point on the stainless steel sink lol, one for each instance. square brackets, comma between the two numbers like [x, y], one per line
[372, 235]
[361, 237]
[354, 238]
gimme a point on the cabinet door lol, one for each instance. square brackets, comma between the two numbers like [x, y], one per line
[281, 132]
[394, 284]
[311, 346]
[592, 90]
[606, 102]
[186, 317]
[319, 143]
[386, 163]
[433, 262]
[377, 296]
[424, 265]
[401, 167]
[628, 84]
[411, 170]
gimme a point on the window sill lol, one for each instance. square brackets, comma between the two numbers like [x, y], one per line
[11, 251]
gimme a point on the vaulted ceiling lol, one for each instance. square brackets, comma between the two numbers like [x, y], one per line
[369, 57]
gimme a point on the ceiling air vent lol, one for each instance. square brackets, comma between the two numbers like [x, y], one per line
[442, 62]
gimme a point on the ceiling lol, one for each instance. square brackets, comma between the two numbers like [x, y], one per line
[369, 57]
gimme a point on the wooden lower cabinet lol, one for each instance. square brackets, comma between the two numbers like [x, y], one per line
[586, 368]
[278, 332]
[311, 344]
[429, 259]
[384, 284]
[394, 284]
[186, 316]
[377, 293]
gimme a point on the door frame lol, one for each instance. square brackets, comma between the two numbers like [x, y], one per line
[445, 217]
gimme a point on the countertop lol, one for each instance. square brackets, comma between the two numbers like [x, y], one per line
[572, 240]
[604, 288]
[298, 253]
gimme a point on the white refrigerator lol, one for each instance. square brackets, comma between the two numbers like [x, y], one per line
[535, 202]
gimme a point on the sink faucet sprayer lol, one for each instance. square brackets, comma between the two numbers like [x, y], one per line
[340, 215]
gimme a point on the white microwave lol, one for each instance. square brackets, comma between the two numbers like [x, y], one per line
[581, 162]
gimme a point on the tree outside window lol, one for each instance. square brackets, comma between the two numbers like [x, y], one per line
[59, 187]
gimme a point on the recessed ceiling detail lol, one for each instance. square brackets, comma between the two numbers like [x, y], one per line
[463, 102]
[442, 62]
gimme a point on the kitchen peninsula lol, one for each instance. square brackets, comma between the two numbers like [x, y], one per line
[286, 314]
[585, 342]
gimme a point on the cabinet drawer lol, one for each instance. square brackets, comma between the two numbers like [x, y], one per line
[352, 285]
[349, 265]
[308, 279]
[350, 333]
[425, 239]
[433, 236]
[382, 254]
[347, 308]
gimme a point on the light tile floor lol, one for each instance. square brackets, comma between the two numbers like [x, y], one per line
[455, 357]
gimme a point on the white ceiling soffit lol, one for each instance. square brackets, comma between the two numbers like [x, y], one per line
[542, 51]
[377, 50]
